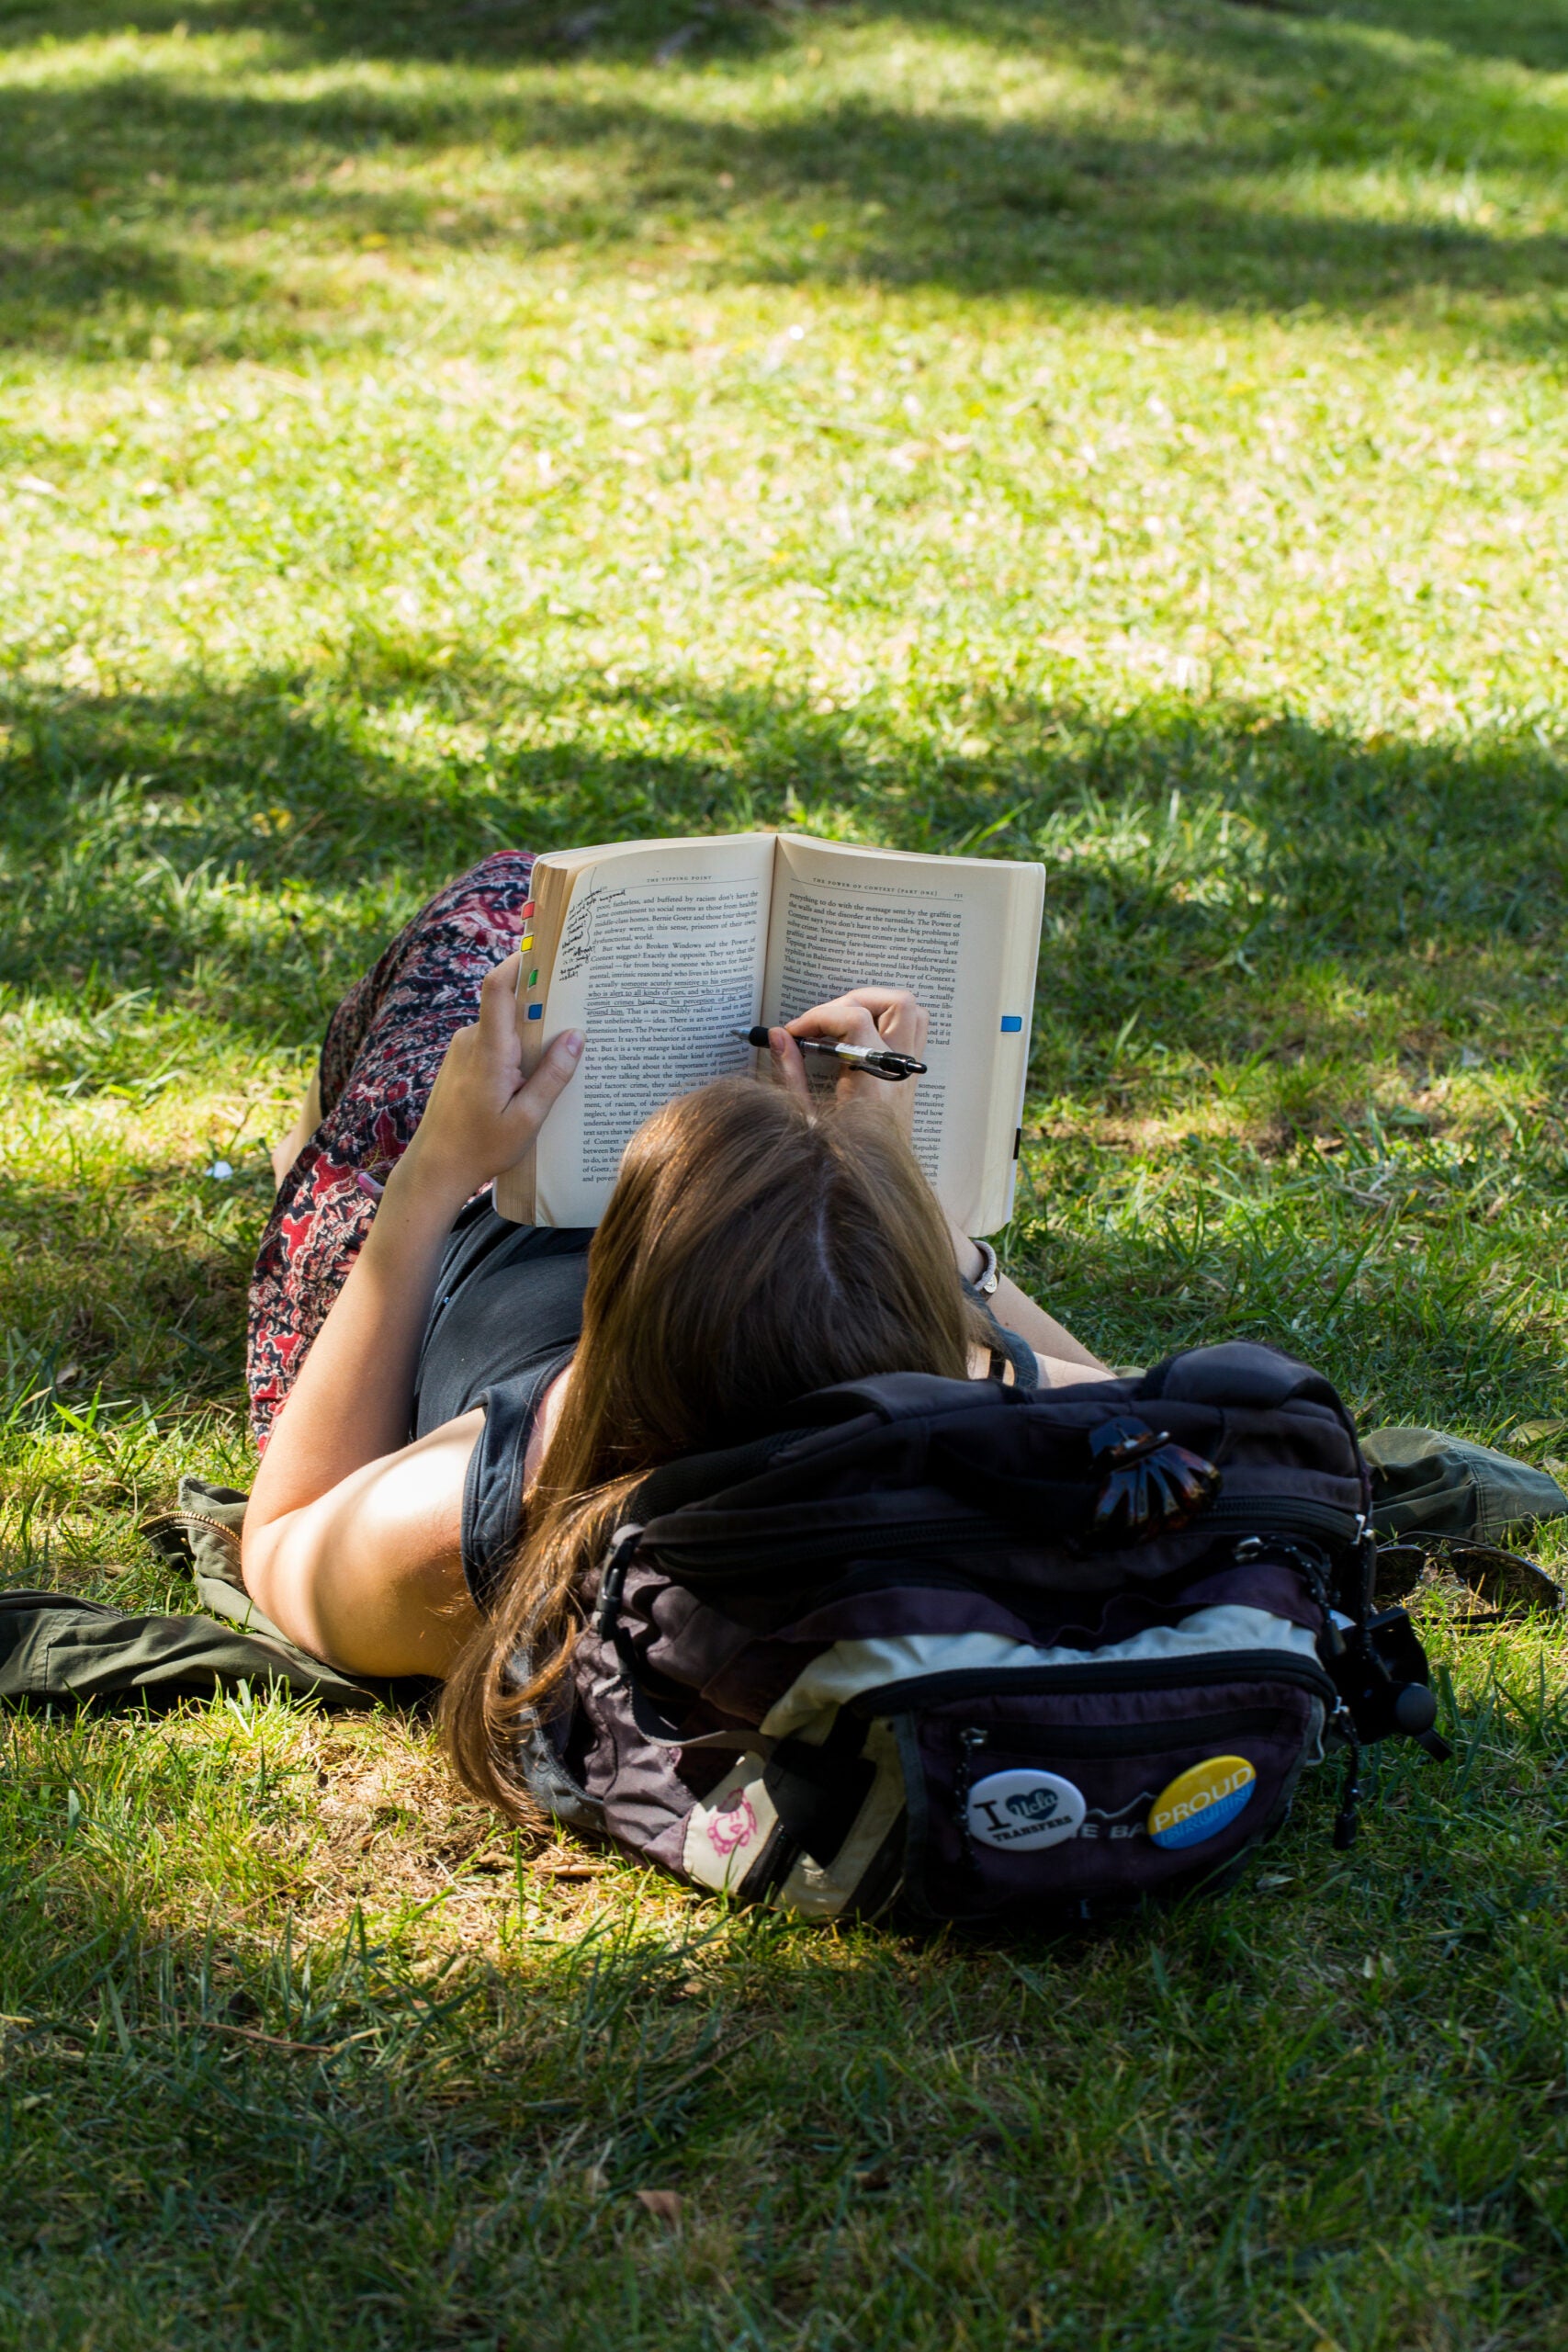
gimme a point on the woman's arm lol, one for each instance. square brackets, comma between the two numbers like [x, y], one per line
[369, 1575]
[352, 1535]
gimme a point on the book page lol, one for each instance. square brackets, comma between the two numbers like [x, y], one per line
[960, 933]
[660, 955]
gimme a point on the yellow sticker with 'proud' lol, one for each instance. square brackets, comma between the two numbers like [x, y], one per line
[1200, 1801]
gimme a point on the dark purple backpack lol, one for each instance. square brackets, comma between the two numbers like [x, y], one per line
[992, 1655]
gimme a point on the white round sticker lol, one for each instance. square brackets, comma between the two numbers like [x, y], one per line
[1025, 1810]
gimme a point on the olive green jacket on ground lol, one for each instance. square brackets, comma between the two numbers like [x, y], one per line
[1425, 1483]
[56, 1649]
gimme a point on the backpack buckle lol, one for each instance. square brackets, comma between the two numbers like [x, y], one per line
[613, 1579]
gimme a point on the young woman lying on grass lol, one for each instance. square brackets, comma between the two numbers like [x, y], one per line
[453, 1407]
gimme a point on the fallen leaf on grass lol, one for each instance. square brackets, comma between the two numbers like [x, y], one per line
[664, 2204]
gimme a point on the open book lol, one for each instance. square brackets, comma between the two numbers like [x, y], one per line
[657, 950]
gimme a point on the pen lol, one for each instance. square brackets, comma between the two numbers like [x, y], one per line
[877, 1061]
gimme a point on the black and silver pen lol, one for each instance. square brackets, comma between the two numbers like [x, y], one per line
[877, 1061]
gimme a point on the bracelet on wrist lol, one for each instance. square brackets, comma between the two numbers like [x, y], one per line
[986, 1281]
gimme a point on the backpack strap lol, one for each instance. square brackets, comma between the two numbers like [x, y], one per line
[1238, 1372]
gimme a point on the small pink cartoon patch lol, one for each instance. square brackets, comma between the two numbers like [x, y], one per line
[734, 1826]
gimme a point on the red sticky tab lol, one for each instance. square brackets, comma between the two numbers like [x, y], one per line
[528, 912]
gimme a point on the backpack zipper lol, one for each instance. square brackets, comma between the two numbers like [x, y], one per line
[1124, 1740]
[970, 1741]
[673, 1558]
[1286, 1515]
[1283, 1516]
[1200, 1672]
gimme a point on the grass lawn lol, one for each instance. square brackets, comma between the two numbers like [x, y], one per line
[1128, 433]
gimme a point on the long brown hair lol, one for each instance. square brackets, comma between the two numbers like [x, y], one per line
[753, 1249]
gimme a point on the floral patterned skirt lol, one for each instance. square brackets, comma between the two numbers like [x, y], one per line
[383, 1046]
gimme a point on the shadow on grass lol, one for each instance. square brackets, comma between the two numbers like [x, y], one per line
[370, 2103]
[229, 2098]
[136, 1286]
[1530, 33]
[145, 834]
[49, 286]
[1441, 1323]
[121, 183]
[1235, 902]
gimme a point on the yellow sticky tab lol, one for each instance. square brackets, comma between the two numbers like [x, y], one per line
[523, 944]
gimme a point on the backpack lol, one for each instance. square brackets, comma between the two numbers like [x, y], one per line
[987, 1654]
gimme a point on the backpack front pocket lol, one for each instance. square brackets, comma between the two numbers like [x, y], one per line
[1074, 1802]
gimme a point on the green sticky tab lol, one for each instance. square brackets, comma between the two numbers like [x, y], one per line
[533, 979]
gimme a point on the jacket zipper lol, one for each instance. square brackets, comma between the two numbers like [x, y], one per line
[1126, 1674]
[190, 1518]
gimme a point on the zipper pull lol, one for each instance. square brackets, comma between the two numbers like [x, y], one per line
[1350, 1795]
[1312, 1566]
[970, 1741]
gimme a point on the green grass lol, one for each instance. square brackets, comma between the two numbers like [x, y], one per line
[1123, 434]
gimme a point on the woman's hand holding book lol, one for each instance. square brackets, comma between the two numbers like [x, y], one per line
[483, 1113]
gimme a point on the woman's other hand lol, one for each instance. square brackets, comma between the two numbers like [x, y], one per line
[889, 1017]
[483, 1113]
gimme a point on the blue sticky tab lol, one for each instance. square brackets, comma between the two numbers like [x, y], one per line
[535, 1012]
[1011, 1024]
